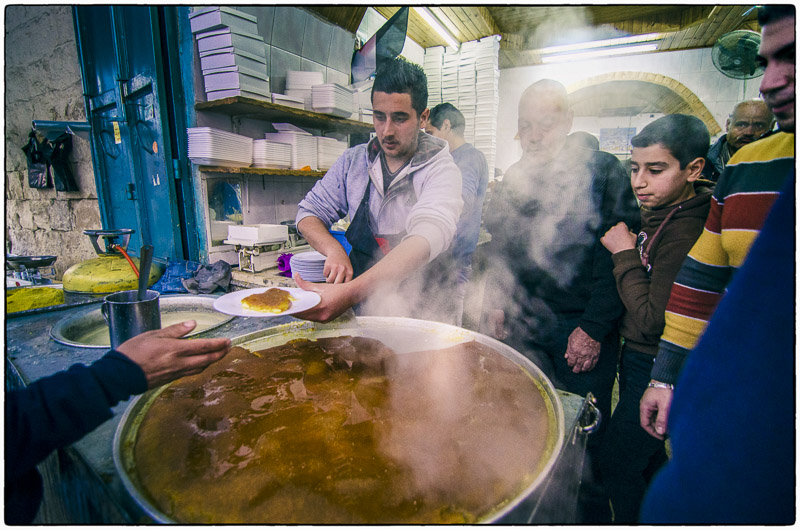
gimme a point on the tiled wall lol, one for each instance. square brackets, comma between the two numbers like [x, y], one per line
[692, 68]
[297, 40]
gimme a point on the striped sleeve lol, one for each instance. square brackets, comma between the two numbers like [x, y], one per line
[744, 194]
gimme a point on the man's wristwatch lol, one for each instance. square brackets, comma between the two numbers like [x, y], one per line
[658, 384]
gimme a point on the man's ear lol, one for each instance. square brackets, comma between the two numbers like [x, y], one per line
[695, 168]
[728, 124]
[445, 125]
[423, 118]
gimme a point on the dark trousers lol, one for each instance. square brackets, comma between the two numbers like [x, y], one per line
[592, 501]
[629, 457]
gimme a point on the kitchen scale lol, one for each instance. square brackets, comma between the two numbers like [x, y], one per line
[260, 245]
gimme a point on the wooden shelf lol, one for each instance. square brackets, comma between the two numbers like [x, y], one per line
[262, 171]
[244, 106]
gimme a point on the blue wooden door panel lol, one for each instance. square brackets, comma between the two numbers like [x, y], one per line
[121, 61]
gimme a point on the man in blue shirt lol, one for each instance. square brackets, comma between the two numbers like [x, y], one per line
[447, 122]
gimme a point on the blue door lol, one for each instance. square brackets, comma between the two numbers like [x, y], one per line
[124, 81]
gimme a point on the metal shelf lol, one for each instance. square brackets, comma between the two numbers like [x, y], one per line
[261, 171]
[244, 106]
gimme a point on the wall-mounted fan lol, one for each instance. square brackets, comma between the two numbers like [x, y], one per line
[735, 54]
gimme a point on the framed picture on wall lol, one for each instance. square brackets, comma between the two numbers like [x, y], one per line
[616, 140]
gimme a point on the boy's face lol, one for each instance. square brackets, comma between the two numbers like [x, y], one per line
[657, 178]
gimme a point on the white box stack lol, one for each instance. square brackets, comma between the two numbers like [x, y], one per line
[362, 100]
[232, 54]
[450, 64]
[214, 147]
[329, 150]
[432, 64]
[269, 154]
[333, 99]
[299, 83]
[468, 78]
[487, 76]
[303, 146]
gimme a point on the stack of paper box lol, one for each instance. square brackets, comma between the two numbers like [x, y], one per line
[432, 64]
[232, 54]
[450, 63]
[303, 144]
[487, 75]
[362, 100]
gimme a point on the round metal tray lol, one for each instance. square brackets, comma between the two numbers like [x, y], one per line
[404, 335]
[73, 330]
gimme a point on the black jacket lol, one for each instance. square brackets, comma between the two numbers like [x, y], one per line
[546, 260]
[54, 412]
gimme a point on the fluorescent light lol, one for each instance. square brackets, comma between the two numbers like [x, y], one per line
[433, 22]
[634, 39]
[603, 52]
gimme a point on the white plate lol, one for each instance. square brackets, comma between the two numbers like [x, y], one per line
[231, 303]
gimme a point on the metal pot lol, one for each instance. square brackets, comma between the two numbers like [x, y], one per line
[401, 334]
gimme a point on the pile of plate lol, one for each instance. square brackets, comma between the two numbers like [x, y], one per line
[299, 83]
[329, 150]
[303, 147]
[214, 147]
[332, 99]
[271, 154]
[309, 265]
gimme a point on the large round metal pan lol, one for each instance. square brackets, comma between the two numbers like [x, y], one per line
[88, 329]
[403, 335]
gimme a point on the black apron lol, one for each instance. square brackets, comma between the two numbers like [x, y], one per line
[369, 248]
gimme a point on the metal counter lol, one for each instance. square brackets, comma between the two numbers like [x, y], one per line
[81, 482]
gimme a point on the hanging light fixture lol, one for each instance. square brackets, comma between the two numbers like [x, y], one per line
[437, 26]
[601, 48]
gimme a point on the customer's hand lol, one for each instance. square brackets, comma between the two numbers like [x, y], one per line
[582, 351]
[654, 411]
[338, 268]
[163, 356]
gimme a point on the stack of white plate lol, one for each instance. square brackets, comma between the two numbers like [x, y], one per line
[303, 147]
[214, 147]
[329, 150]
[288, 101]
[300, 80]
[332, 99]
[299, 83]
[309, 265]
[272, 154]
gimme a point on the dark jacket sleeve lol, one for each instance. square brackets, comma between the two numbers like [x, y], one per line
[617, 203]
[58, 410]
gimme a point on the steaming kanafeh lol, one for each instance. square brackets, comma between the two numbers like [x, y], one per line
[344, 430]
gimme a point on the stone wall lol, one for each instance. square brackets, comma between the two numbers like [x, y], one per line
[43, 82]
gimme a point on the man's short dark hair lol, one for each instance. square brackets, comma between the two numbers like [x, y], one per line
[769, 14]
[398, 76]
[446, 111]
[686, 137]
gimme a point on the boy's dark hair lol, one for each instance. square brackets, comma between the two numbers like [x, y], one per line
[400, 76]
[769, 14]
[446, 111]
[686, 137]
